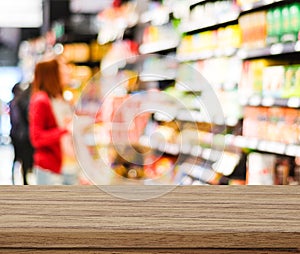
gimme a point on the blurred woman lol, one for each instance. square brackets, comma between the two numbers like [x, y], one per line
[45, 132]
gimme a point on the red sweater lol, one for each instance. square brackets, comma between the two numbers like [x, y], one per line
[44, 133]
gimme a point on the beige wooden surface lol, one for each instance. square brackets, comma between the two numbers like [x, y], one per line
[210, 219]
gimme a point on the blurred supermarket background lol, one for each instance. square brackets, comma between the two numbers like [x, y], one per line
[247, 50]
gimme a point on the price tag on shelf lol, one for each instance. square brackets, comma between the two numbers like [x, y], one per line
[242, 53]
[292, 150]
[255, 100]
[262, 146]
[276, 147]
[266, 2]
[297, 46]
[272, 147]
[173, 149]
[252, 143]
[247, 7]
[276, 49]
[240, 141]
[232, 121]
[293, 102]
[268, 101]
[230, 51]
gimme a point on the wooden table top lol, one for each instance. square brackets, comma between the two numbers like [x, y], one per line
[192, 219]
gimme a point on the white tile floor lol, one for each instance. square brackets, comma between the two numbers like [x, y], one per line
[6, 160]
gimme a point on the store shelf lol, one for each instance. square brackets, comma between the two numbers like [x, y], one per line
[77, 38]
[259, 4]
[159, 46]
[203, 55]
[263, 145]
[155, 76]
[91, 64]
[195, 2]
[189, 27]
[229, 141]
[276, 49]
[199, 172]
[173, 149]
[197, 117]
[257, 100]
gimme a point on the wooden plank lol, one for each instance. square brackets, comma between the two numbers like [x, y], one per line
[150, 251]
[221, 218]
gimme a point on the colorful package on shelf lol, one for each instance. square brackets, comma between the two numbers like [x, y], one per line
[124, 114]
[114, 21]
[230, 104]
[294, 14]
[253, 27]
[283, 23]
[273, 81]
[275, 124]
[154, 34]
[292, 81]
[246, 2]
[282, 171]
[98, 51]
[129, 167]
[120, 53]
[261, 169]
[77, 52]
[291, 129]
[160, 168]
[222, 39]
[186, 45]
[229, 37]
[250, 123]
[252, 77]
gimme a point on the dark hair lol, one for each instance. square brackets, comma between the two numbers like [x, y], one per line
[47, 78]
[16, 89]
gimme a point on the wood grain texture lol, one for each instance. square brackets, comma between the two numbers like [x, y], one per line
[202, 219]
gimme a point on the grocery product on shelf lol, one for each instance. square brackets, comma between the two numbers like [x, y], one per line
[283, 23]
[209, 14]
[261, 169]
[222, 41]
[274, 124]
[115, 20]
[158, 38]
[253, 27]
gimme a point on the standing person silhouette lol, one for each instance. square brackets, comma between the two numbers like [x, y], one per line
[19, 132]
[45, 133]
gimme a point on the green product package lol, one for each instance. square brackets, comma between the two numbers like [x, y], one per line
[286, 26]
[270, 27]
[292, 81]
[277, 19]
[294, 12]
